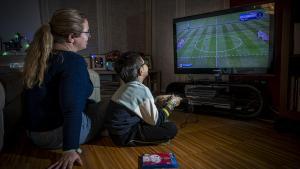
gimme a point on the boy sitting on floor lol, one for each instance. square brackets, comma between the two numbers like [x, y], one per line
[132, 117]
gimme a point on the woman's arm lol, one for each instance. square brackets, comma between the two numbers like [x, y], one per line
[72, 96]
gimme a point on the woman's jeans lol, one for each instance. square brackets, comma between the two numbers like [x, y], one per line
[92, 123]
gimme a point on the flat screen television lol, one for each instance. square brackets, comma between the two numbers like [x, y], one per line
[233, 41]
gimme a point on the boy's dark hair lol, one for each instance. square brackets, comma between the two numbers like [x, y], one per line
[127, 66]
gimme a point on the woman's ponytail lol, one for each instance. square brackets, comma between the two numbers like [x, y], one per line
[37, 56]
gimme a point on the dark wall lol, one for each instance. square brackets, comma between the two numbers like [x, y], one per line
[19, 16]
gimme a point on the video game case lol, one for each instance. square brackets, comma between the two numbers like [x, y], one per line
[158, 161]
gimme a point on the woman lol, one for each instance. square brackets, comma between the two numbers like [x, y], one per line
[57, 87]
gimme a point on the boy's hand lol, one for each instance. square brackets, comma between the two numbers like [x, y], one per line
[171, 100]
[176, 100]
[162, 99]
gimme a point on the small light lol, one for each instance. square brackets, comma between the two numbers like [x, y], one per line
[4, 53]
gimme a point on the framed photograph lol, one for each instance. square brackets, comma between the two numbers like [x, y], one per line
[111, 57]
[148, 61]
[98, 62]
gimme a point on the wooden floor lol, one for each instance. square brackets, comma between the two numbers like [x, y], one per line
[204, 142]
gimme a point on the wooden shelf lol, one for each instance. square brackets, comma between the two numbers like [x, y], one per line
[287, 64]
[105, 72]
[8, 59]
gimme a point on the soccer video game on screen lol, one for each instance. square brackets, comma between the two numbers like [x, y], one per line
[232, 40]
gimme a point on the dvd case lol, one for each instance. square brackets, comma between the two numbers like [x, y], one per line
[158, 160]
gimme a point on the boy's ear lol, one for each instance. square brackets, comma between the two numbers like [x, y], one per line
[140, 71]
[71, 38]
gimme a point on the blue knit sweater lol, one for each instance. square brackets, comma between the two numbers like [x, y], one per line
[61, 99]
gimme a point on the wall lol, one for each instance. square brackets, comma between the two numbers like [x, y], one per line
[19, 16]
[115, 24]
[88, 7]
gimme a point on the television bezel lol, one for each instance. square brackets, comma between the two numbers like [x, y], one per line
[241, 71]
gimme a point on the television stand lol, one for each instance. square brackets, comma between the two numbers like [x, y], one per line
[238, 100]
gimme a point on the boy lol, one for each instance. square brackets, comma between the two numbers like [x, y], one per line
[132, 117]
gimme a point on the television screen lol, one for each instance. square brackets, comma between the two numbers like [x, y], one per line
[233, 41]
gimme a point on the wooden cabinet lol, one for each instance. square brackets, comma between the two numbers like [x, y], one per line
[287, 62]
[9, 63]
[110, 82]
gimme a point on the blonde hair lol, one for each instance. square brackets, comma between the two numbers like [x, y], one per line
[62, 24]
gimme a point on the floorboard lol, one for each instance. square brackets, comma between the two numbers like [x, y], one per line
[203, 141]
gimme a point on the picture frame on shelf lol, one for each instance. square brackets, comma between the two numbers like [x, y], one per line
[148, 60]
[98, 62]
[111, 58]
